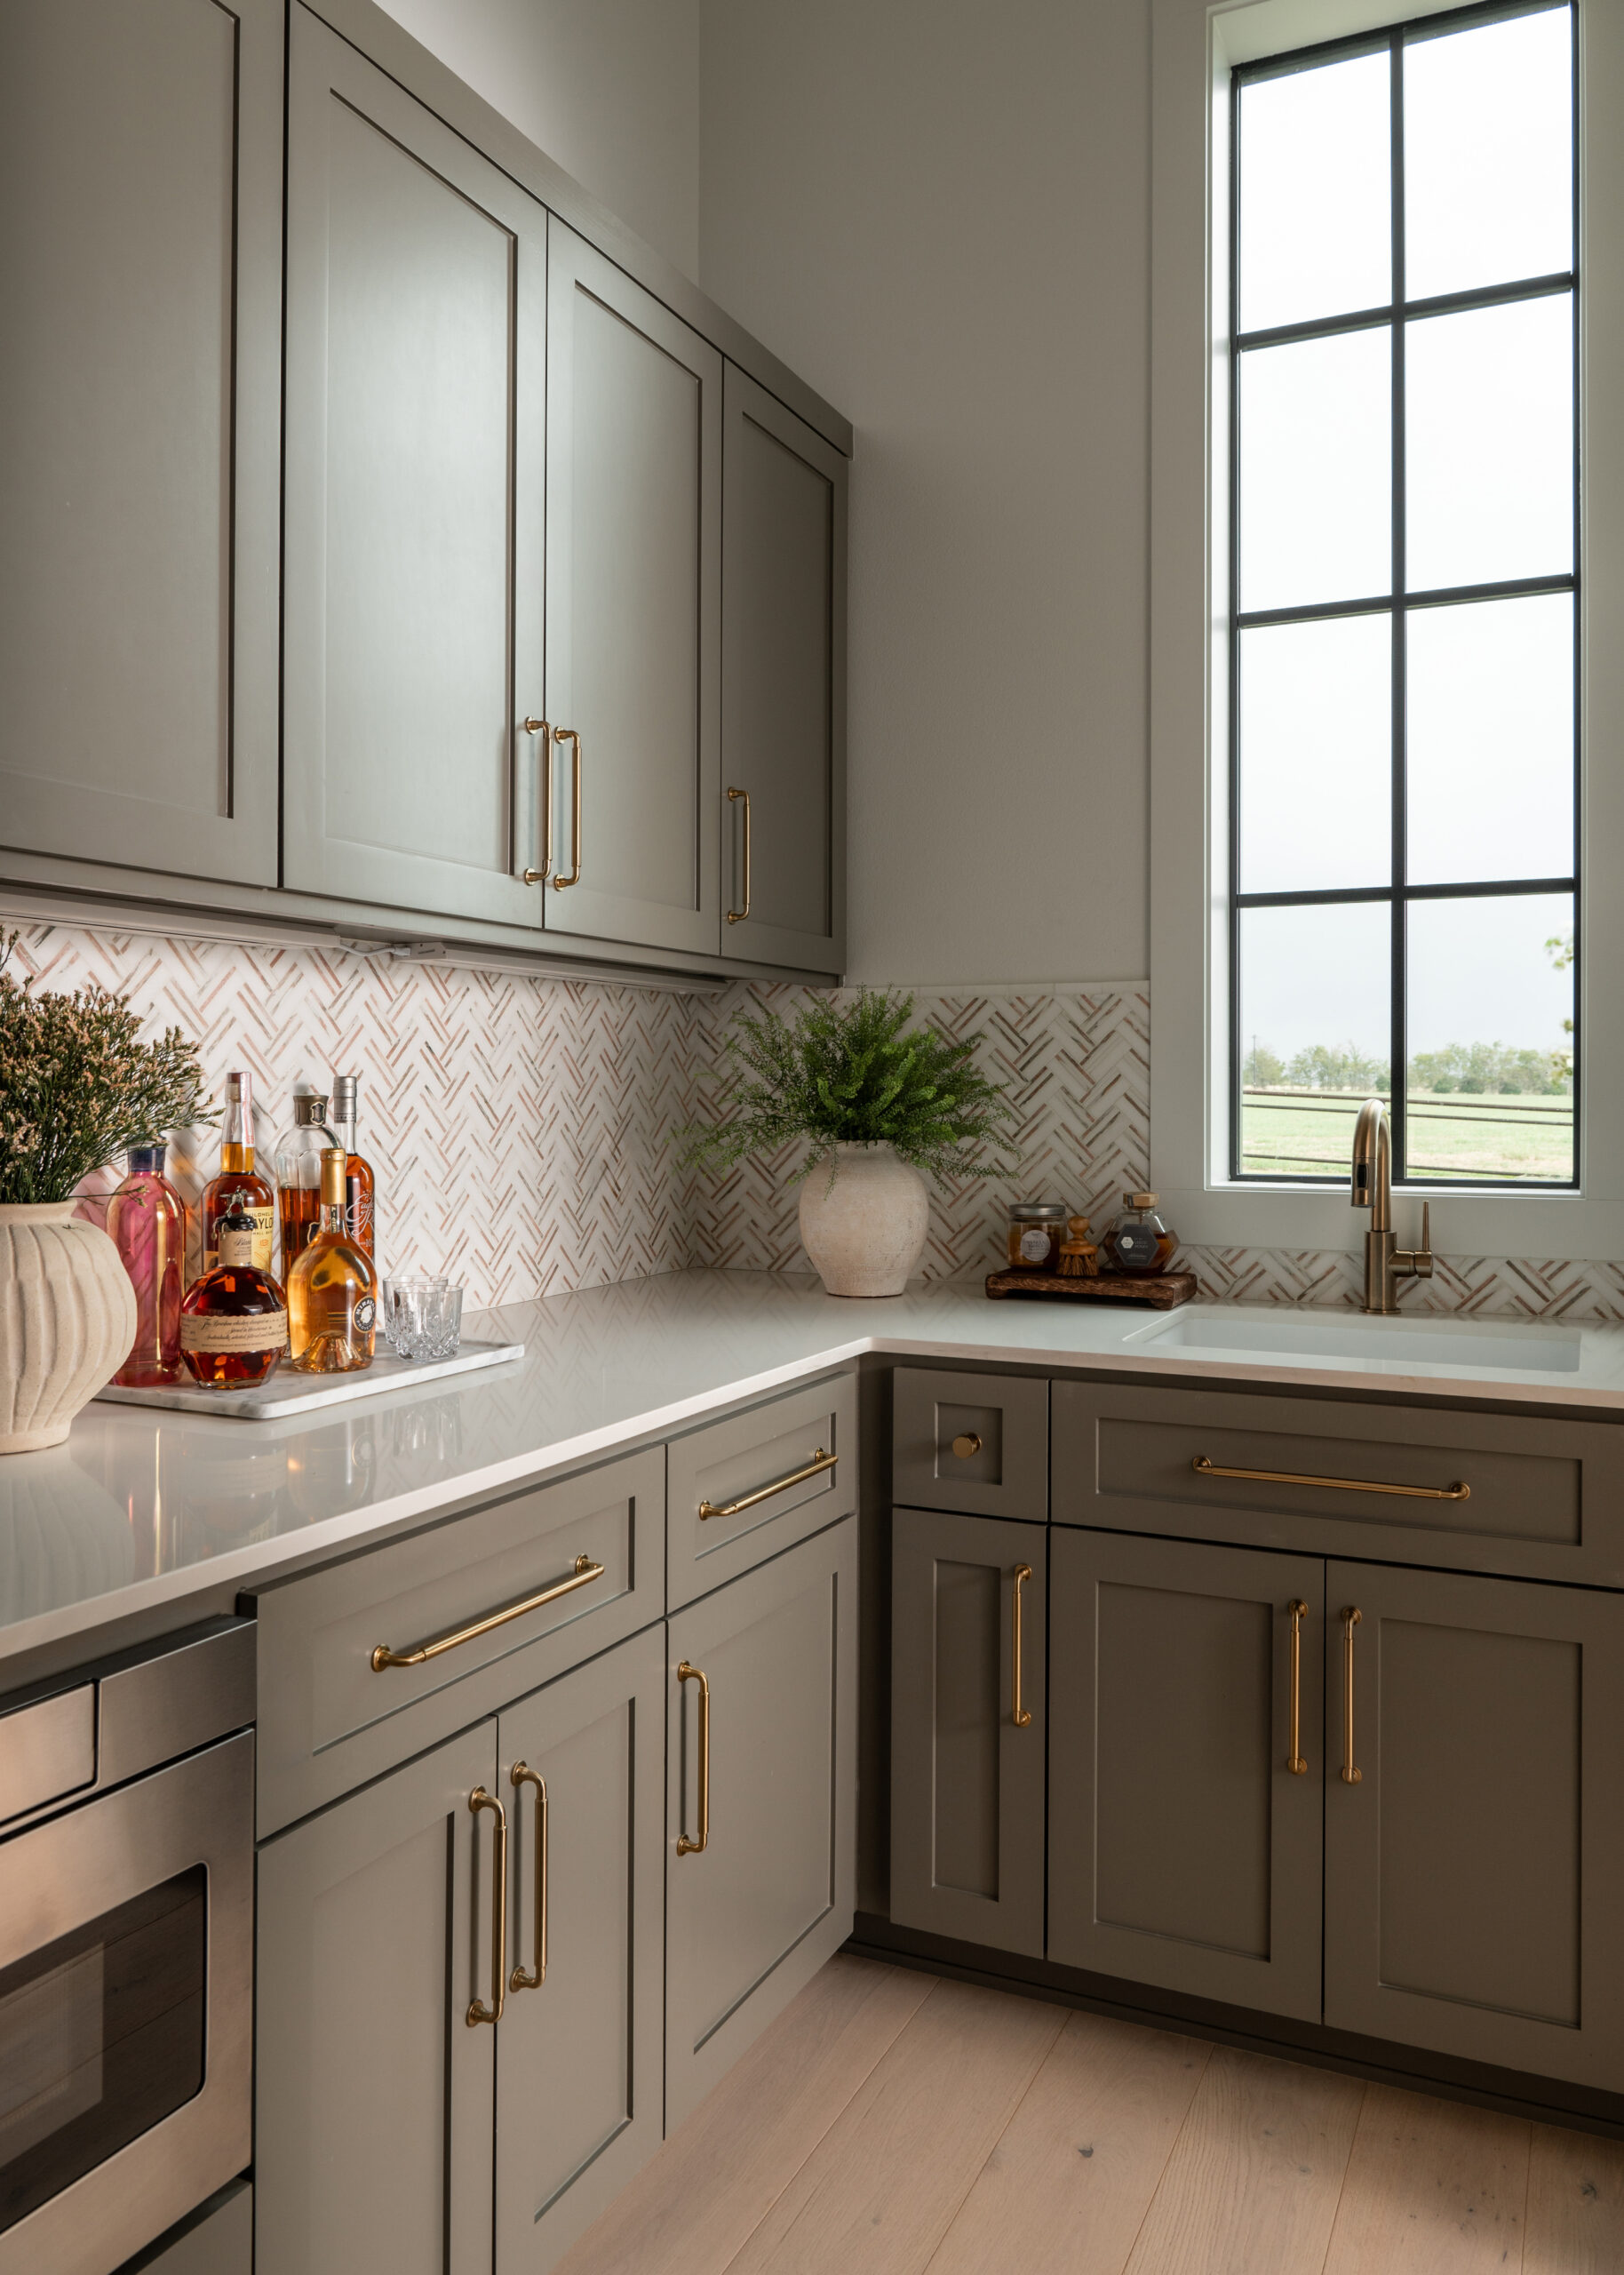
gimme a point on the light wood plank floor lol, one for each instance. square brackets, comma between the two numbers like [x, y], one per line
[892, 2124]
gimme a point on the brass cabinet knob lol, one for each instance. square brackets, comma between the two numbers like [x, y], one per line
[967, 1445]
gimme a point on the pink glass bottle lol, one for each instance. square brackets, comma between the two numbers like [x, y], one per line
[147, 1219]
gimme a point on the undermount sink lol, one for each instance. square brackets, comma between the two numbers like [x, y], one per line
[1471, 1346]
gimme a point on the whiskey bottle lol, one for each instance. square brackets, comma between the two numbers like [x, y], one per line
[239, 1186]
[299, 1176]
[332, 1290]
[360, 1215]
[233, 1322]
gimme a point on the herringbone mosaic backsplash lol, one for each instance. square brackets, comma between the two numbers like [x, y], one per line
[522, 1129]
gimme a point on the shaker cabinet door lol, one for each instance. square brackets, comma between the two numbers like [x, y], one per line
[761, 1828]
[140, 273]
[579, 2084]
[1183, 1848]
[784, 685]
[1475, 1865]
[970, 1726]
[633, 610]
[417, 385]
[373, 2093]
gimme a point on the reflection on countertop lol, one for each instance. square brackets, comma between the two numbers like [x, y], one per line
[143, 1507]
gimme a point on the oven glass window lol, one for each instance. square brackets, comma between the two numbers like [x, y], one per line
[101, 2036]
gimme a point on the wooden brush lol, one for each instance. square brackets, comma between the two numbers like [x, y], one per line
[1079, 1259]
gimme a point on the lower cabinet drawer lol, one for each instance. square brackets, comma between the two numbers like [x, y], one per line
[217, 2239]
[497, 1601]
[1344, 1477]
[760, 1826]
[742, 1488]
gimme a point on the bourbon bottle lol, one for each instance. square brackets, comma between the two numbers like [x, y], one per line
[332, 1290]
[299, 1176]
[239, 1186]
[359, 1216]
[234, 1322]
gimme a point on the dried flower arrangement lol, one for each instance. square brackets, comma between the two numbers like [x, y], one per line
[79, 1086]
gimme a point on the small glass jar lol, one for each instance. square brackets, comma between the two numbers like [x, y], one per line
[1138, 1240]
[1036, 1230]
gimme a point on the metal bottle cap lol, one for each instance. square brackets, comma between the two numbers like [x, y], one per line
[333, 1160]
[309, 1109]
[344, 1096]
[239, 1087]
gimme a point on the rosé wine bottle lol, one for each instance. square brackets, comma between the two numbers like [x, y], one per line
[146, 1220]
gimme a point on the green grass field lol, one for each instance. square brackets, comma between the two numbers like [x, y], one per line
[1296, 1133]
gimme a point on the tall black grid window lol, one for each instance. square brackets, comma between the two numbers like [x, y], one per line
[1404, 863]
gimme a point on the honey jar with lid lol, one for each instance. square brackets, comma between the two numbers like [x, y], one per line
[1036, 1228]
[1138, 1240]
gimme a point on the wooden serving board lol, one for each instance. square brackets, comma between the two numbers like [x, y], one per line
[1162, 1289]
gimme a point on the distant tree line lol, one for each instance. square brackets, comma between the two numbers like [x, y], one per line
[1476, 1069]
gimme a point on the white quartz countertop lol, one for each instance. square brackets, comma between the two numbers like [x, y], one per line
[143, 1508]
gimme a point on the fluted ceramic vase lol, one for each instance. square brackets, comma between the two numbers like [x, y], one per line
[865, 1228]
[67, 1320]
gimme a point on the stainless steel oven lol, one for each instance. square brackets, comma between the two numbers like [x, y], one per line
[126, 1948]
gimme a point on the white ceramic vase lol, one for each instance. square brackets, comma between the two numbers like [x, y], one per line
[864, 1230]
[67, 1320]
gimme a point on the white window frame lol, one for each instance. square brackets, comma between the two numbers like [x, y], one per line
[1195, 44]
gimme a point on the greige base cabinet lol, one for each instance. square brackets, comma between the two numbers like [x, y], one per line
[375, 2100]
[771, 1894]
[580, 2089]
[784, 684]
[1475, 1873]
[1182, 1850]
[415, 507]
[141, 402]
[967, 1771]
[633, 615]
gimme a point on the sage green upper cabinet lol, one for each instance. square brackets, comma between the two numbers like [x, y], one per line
[784, 684]
[1475, 1870]
[633, 610]
[141, 257]
[414, 501]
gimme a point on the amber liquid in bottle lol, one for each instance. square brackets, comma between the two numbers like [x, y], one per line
[360, 1218]
[332, 1289]
[239, 1187]
[234, 1322]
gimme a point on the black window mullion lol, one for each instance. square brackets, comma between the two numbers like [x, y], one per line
[1398, 892]
[1237, 1046]
[1397, 1048]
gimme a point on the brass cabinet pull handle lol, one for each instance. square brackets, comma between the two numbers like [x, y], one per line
[479, 2010]
[1020, 1716]
[1294, 1761]
[1350, 1620]
[540, 727]
[1458, 1492]
[569, 735]
[737, 915]
[585, 1571]
[685, 1846]
[523, 1978]
[969, 1445]
[815, 1467]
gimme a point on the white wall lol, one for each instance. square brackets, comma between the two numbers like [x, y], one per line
[938, 211]
[610, 89]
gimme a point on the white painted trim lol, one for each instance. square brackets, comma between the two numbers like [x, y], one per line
[1193, 45]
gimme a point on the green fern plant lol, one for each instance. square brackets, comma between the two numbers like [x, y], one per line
[855, 1074]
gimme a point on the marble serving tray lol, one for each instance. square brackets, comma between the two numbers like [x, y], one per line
[286, 1392]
